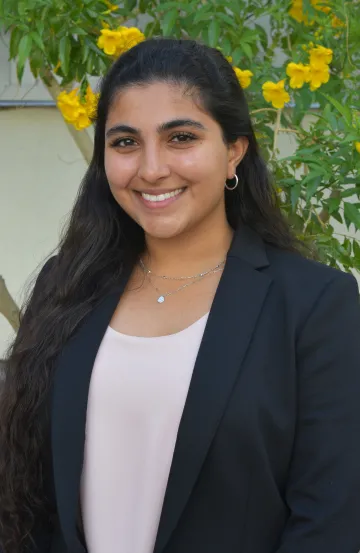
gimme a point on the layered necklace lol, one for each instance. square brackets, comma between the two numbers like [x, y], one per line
[194, 278]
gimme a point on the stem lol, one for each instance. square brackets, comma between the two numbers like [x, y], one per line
[81, 138]
[277, 129]
[263, 109]
[8, 307]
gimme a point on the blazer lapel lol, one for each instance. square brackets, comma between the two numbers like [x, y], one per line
[231, 323]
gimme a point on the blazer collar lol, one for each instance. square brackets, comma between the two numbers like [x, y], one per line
[236, 307]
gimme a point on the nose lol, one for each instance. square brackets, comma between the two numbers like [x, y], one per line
[153, 166]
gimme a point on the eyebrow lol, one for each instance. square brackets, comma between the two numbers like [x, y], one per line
[168, 126]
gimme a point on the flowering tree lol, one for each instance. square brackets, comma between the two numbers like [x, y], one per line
[298, 61]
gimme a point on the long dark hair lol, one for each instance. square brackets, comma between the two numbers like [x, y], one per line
[99, 242]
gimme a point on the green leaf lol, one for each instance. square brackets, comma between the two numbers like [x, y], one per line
[356, 249]
[312, 185]
[40, 25]
[203, 14]
[337, 217]
[85, 52]
[130, 5]
[24, 50]
[237, 55]
[78, 31]
[333, 204]
[295, 194]
[35, 64]
[64, 54]
[247, 50]
[226, 46]
[350, 192]
[227, 19]
[168, 22]
[214, 33]
[343, 109]
[14, 43]
[352, 214]
[38, 40]
[143, 5]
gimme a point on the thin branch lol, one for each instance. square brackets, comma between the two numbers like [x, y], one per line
[8, 307]
[276, 130]
[263, 109]
[347, 34]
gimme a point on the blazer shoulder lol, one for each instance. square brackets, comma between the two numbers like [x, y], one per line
[290, 266]
[302, 281]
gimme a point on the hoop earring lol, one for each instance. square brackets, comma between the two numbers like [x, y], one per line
[235, 185]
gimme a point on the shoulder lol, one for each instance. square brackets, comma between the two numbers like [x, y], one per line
[303, 283]
[297, 271]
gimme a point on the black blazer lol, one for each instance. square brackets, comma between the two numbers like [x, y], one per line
[267, 458]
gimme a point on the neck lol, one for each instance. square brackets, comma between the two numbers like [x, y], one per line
[190, 252]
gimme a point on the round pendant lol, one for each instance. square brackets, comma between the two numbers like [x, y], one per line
[161, 299]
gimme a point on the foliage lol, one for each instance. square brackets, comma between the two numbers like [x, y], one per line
[295, 59]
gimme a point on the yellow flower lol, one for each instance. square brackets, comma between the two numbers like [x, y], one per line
[319, 5]
[82, 121]
[243, 76]
[357, 146]
[130, 36]
[69, 105]
[91, 102]
[299, 74]
[112, 7]
[296, 11]
[276, 93]
[116, 42]
[109, 41]
[320, 56]
[336, 22]
[78, 113]
[318, 76]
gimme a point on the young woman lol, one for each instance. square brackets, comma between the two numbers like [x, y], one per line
[183, 380]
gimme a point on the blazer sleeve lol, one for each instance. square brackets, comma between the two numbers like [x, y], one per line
[323, 489]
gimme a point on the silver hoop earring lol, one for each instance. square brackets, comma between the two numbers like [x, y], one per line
[235, 185]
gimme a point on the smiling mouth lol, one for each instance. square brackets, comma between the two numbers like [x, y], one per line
[160, 197]
[161, 200]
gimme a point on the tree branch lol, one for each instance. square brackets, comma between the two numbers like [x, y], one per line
[8, 307]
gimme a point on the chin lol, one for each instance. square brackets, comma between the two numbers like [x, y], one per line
[163, 231]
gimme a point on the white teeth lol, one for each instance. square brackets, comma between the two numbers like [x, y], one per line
[161, 197]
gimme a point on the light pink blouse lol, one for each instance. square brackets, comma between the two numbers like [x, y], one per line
[137, 395]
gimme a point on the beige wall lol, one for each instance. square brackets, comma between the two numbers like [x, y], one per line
[41, 169]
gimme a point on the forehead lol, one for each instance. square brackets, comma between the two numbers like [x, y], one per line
[155, 102]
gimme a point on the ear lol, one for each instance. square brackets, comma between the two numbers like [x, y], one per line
[236, 152]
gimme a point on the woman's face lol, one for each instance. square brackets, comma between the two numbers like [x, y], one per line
[166, 161]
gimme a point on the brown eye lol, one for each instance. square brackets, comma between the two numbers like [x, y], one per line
[123, 142]
[183, 137]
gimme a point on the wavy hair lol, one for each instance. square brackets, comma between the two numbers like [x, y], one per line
[99, 242]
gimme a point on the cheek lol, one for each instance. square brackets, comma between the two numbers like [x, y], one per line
[207, 162]
[119, 169]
